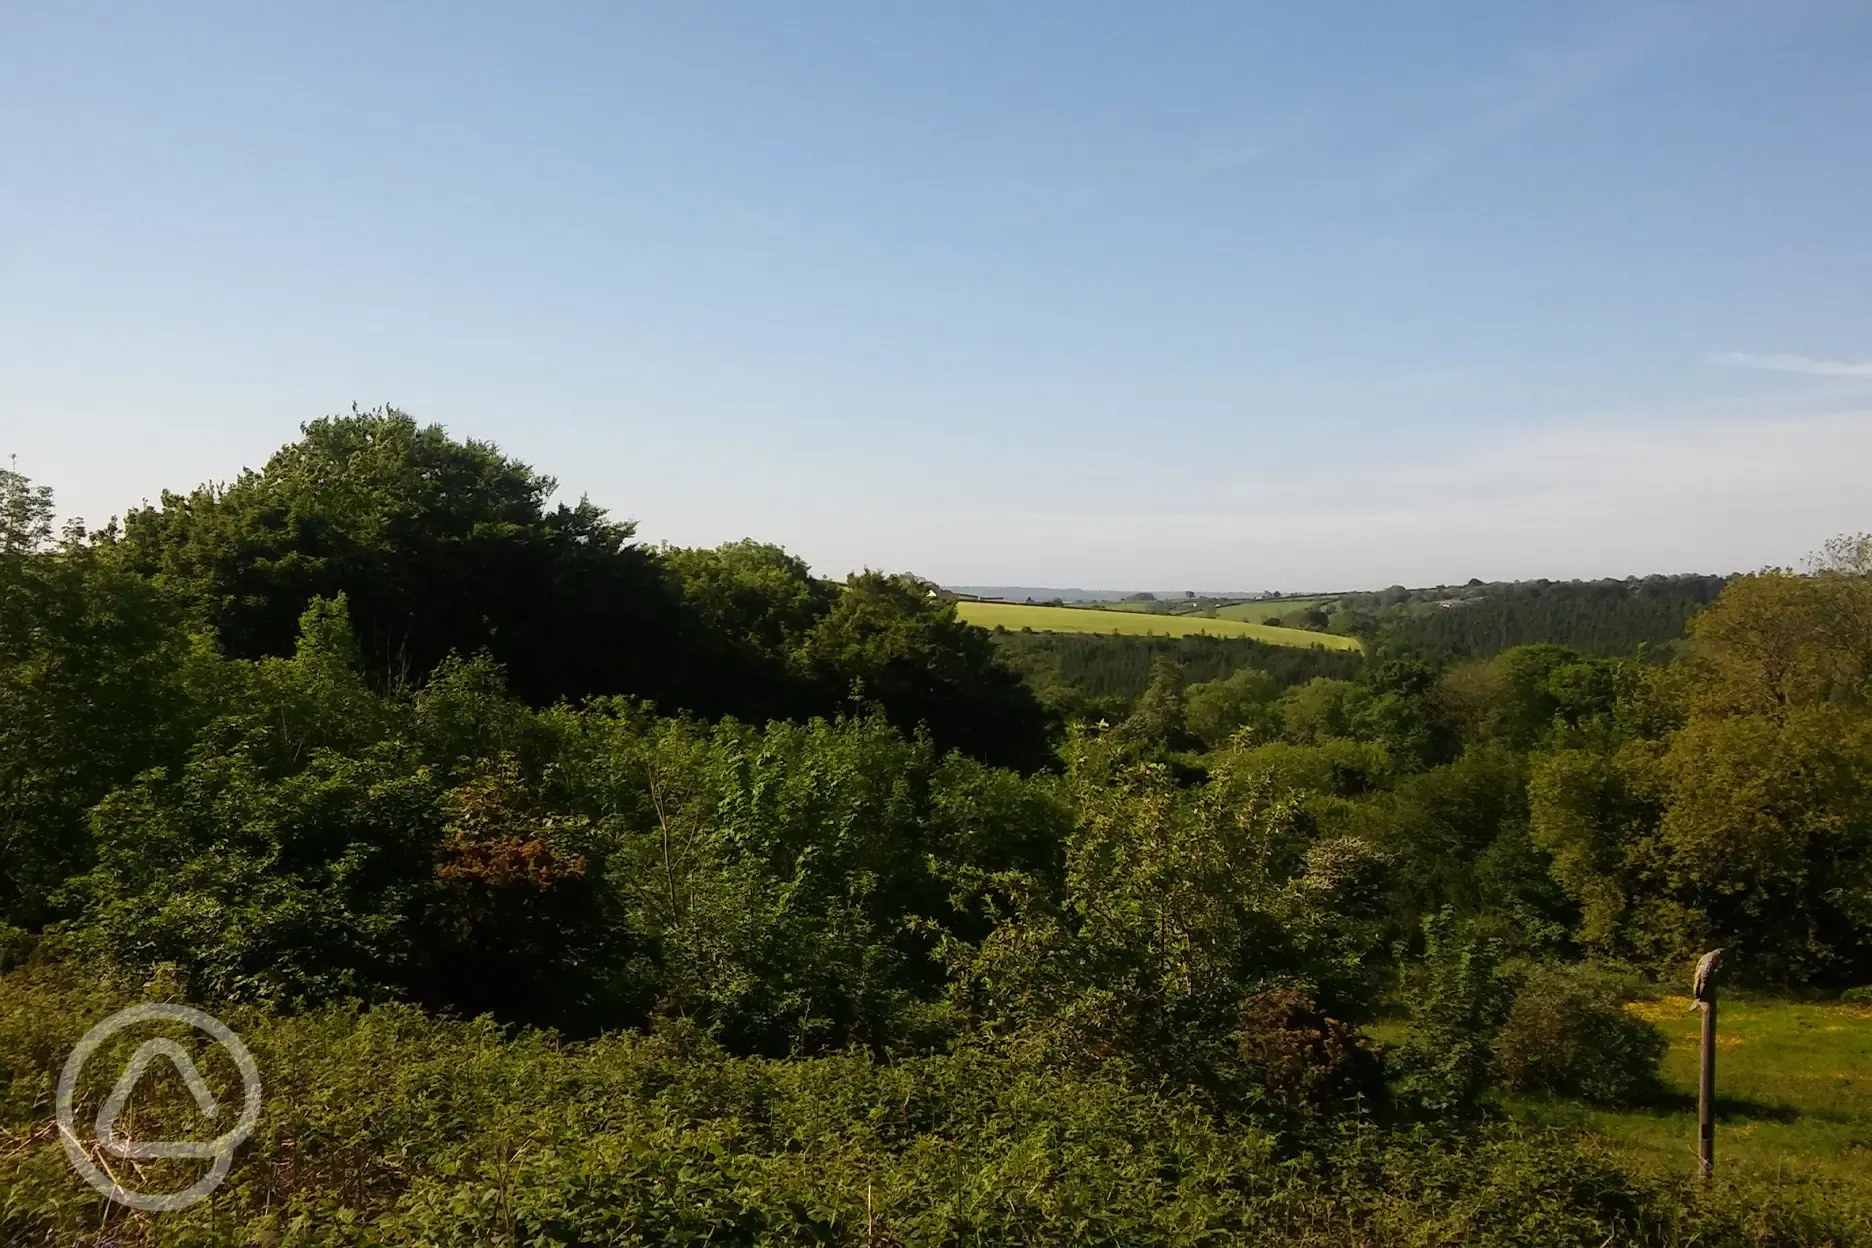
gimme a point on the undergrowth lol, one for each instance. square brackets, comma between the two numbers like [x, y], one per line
[390, 1126]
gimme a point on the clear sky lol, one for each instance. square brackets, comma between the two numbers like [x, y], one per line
[1228, 295]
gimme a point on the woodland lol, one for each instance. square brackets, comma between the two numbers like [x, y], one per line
[571, 890]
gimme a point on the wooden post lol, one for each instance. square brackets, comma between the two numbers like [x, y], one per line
[1703, 997]
[1706, 1092]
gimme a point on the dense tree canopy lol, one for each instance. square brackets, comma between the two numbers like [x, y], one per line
[442, 547]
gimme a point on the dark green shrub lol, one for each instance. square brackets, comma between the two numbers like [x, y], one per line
[1460, 997]
[1568, 1034]
[1301, 1059]
[16, 946]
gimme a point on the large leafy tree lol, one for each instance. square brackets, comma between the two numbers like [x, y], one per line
[1216, 709]
[1728, 803]
[93, 689]
[895, 641]
[757, 604]
[438, 545]
[1776, 642]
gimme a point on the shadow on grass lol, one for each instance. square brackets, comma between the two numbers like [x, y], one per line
[1728, 1108]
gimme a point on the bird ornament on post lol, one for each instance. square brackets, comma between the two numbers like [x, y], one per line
[1702, 985]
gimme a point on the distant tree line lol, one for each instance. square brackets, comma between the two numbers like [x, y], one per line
[1476, 621]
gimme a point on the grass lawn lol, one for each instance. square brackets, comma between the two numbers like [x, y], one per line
[1089, 620]
[1793, 1092]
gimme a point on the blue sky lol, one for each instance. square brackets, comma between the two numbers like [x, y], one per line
[1221, 295]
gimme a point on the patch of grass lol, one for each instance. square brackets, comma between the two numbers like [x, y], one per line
[1089, 620]
[1793, 1092]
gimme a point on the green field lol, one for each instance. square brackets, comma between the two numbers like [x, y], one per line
[1136, 623]
[1793, 1092]
[1261, 608]
[1127, 605]
[1164, 606]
